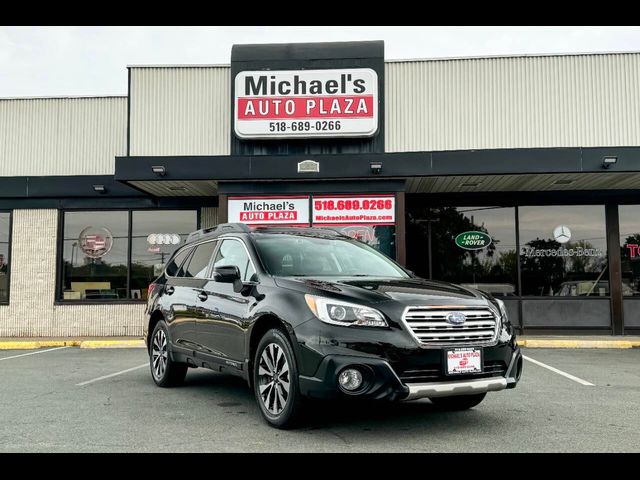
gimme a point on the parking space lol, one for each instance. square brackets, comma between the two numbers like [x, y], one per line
[47, 405]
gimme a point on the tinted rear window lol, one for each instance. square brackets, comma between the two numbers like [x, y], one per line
[174, 265]
[200, 260]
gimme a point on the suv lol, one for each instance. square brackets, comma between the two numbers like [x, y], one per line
[309, 312]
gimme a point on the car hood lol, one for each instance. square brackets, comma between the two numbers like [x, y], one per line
[408, 291]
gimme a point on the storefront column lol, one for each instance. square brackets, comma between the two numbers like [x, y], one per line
[401, 244]
[615, 268]
[223, 209]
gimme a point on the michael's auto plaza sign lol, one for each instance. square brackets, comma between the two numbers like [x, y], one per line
[306, 103]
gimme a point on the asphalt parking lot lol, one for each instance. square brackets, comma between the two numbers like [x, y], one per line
[69, 399]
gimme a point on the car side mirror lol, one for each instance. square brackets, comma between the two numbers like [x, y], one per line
[226, 274]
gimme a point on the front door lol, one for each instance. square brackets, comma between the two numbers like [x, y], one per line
[226, 313]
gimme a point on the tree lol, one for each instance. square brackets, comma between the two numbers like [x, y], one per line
[541, 274]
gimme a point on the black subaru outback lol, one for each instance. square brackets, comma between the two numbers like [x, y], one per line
[307, 312]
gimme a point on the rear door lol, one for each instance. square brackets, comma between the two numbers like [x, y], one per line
[194, 278]
[176, 300]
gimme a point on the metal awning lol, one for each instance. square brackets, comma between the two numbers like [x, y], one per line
[502, 170]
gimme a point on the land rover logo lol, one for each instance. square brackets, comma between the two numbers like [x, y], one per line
[456, 318]
[95, 242]
[562, 234]
[473, 240]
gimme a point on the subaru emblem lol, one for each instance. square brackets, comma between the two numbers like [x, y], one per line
[456, 318]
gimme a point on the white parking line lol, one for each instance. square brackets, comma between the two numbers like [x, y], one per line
[104, 377]
[559, 372]
[32, 353]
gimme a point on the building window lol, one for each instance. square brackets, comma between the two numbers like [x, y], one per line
[563, 251]
[95, 252]
[5, 251]
[630, 249]
[155, 236]
[471, 246]
[115, 255]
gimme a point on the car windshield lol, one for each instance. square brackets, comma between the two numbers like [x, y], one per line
[286, 255]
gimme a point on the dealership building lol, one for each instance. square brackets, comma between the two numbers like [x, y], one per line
[516, 175]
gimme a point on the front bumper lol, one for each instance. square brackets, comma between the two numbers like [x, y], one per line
[457, 387]
[394, 367]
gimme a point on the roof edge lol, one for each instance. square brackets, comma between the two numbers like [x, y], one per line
[62, 97]
[515, 55]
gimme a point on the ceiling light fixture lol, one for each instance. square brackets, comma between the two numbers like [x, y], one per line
[159, 170]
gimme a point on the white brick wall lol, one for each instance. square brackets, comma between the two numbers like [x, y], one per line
[31, 311]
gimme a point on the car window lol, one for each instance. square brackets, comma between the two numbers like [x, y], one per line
[173, 267]
[199, 262]
[233, 252]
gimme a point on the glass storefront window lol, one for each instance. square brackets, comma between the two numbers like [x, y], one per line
[155, 236]
[630, 249]
[4, 256]
[95, 251]
[563, 251]
[476, 247]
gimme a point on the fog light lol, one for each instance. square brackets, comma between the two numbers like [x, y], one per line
[350, 379]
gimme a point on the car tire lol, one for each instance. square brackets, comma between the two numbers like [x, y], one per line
[276, 383]
[164, 370]
[459, 402]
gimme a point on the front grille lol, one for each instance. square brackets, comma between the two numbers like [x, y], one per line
[429, 325]
[432, 373]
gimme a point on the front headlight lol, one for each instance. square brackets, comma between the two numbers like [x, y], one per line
[503, 311]
[506, 331]
[346, 314]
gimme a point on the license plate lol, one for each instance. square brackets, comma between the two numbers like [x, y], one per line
[463, 360]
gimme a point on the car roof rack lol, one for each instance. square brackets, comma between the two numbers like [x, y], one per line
[302, 230]
[218, 230]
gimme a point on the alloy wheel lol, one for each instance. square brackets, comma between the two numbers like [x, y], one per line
[159, 355]
[274, 379]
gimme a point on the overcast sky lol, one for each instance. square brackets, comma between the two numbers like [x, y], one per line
[50, 61]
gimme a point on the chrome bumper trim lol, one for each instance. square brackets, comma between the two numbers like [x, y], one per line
[464, 387]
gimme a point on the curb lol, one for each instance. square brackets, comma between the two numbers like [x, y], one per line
[559, 343]
[112, 344]
[30, 345]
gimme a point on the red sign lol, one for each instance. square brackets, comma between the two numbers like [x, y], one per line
[354, 209]
[305, 107]
[634, 252]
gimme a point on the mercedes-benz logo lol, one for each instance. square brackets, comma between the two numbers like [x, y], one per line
[562, 234]
[456, 318]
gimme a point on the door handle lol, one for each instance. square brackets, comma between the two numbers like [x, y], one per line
[169, 290]
[203, 296]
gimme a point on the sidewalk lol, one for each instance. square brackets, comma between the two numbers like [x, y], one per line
[22, 343]
[557, 341]
[585, 341]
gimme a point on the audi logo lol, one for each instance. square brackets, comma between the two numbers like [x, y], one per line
[163, 239]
